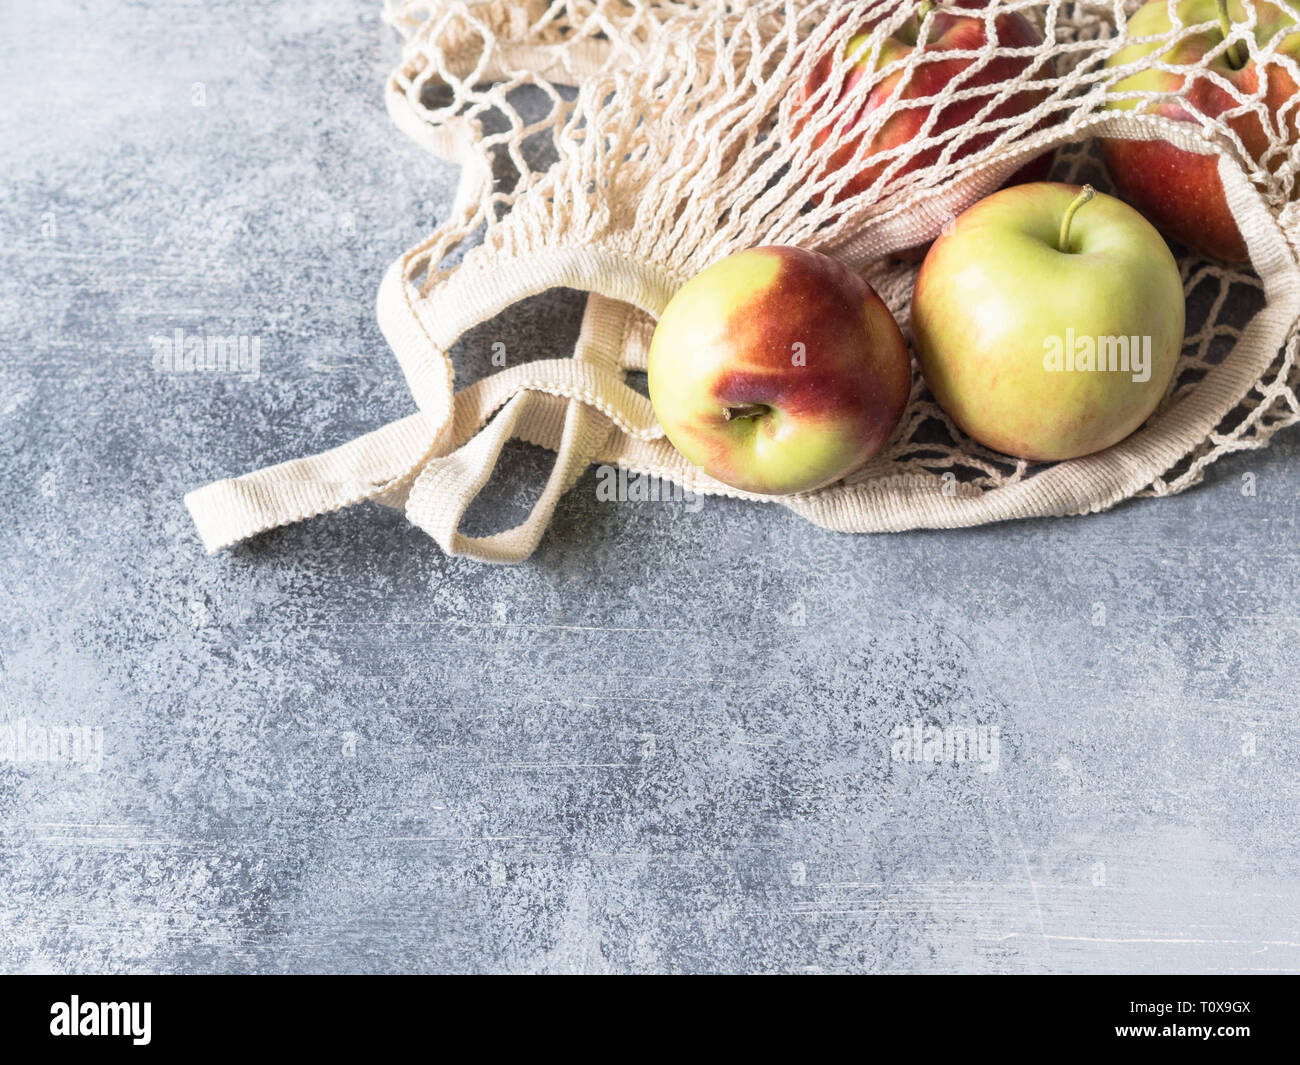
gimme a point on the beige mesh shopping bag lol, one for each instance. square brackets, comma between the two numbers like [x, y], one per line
[672, 134]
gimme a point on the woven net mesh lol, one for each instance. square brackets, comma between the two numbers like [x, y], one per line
[620, 146]
[698, 91]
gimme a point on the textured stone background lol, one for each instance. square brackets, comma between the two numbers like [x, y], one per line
[335, 749]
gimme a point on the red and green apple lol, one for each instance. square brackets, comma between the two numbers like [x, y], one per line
[1180, 191]
[951, 49]
[778, 370]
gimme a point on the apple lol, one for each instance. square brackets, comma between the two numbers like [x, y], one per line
[948, 32]
[1048, 320]
[1178, 190]
[778, 370]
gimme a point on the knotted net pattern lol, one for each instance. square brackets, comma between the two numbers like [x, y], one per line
[620, 146]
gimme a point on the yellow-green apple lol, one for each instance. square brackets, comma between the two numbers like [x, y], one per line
[778, 370]
[870, 84]
[1048, 320]
[1178, 190]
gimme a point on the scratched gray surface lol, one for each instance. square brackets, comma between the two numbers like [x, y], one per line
[667, 743]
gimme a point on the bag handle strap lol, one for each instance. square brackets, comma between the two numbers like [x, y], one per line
[447, 485]
[372, 466]
[433, 461]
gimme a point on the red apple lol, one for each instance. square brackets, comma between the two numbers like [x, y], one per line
[948, 32]
[1180, 191]
[778, 370]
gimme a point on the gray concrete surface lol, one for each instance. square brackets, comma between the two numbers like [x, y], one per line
[667, 744]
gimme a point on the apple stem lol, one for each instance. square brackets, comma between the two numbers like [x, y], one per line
[1235, 59]
[745, 410]
[922, 10]
[1085, 194]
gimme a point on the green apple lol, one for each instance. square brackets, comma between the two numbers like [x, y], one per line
[778, 370]
[1048, 321]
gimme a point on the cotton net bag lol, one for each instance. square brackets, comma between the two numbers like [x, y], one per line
[618, 147]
